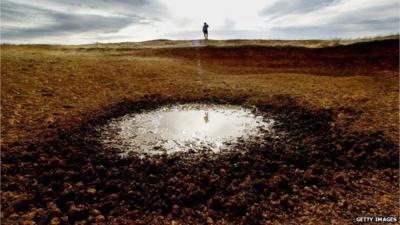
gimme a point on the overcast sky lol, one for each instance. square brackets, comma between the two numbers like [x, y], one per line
[88, 21]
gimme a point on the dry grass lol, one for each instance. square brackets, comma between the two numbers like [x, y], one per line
[46, 89]
[45, 85]
[165, 43]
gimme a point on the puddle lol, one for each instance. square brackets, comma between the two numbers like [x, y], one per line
[184, 128]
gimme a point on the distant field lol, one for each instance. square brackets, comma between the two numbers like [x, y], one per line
[48, 90]
[164, 43]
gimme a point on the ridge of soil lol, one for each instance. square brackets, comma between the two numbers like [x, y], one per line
[355, 59]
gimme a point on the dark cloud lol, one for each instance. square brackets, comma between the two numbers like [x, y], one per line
[24, 22]
[284, 7]
[151, 8]
[331, 19]
[361, 28]
[83, 21]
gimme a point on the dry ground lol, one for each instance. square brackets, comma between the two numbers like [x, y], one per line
[51, 89]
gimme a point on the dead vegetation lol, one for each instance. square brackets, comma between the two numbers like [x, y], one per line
[44, 85]
[52, 90]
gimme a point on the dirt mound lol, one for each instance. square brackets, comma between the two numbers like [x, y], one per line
[355, 59]
[73, 179]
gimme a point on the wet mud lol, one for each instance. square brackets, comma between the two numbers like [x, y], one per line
[185, 127]
[73, 178]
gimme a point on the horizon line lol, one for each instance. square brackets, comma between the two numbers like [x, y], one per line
[372, 37]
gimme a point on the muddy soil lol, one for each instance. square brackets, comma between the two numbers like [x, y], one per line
[184, 127]
[319, 173]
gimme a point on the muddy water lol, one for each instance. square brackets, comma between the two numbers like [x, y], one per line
[187, 127]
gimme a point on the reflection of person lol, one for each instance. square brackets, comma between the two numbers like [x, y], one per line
[206, 117]
[205, 30]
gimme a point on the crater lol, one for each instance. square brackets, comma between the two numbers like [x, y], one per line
[190, 128]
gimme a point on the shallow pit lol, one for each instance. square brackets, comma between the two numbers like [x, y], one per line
[184, 128]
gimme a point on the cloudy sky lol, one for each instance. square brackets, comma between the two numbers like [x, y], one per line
[89, 21]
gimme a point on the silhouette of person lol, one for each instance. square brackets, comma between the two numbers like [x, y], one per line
[205, 30]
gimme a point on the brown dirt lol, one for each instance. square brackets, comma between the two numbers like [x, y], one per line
[339, 106]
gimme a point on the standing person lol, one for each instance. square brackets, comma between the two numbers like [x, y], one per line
[205, 30]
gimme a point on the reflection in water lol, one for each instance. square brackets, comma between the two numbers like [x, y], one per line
[206, 119]
[183, 128]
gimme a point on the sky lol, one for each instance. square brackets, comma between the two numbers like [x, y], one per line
[90, 21]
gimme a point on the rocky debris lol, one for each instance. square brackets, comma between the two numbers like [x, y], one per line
[73, 180]
[77, 213]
